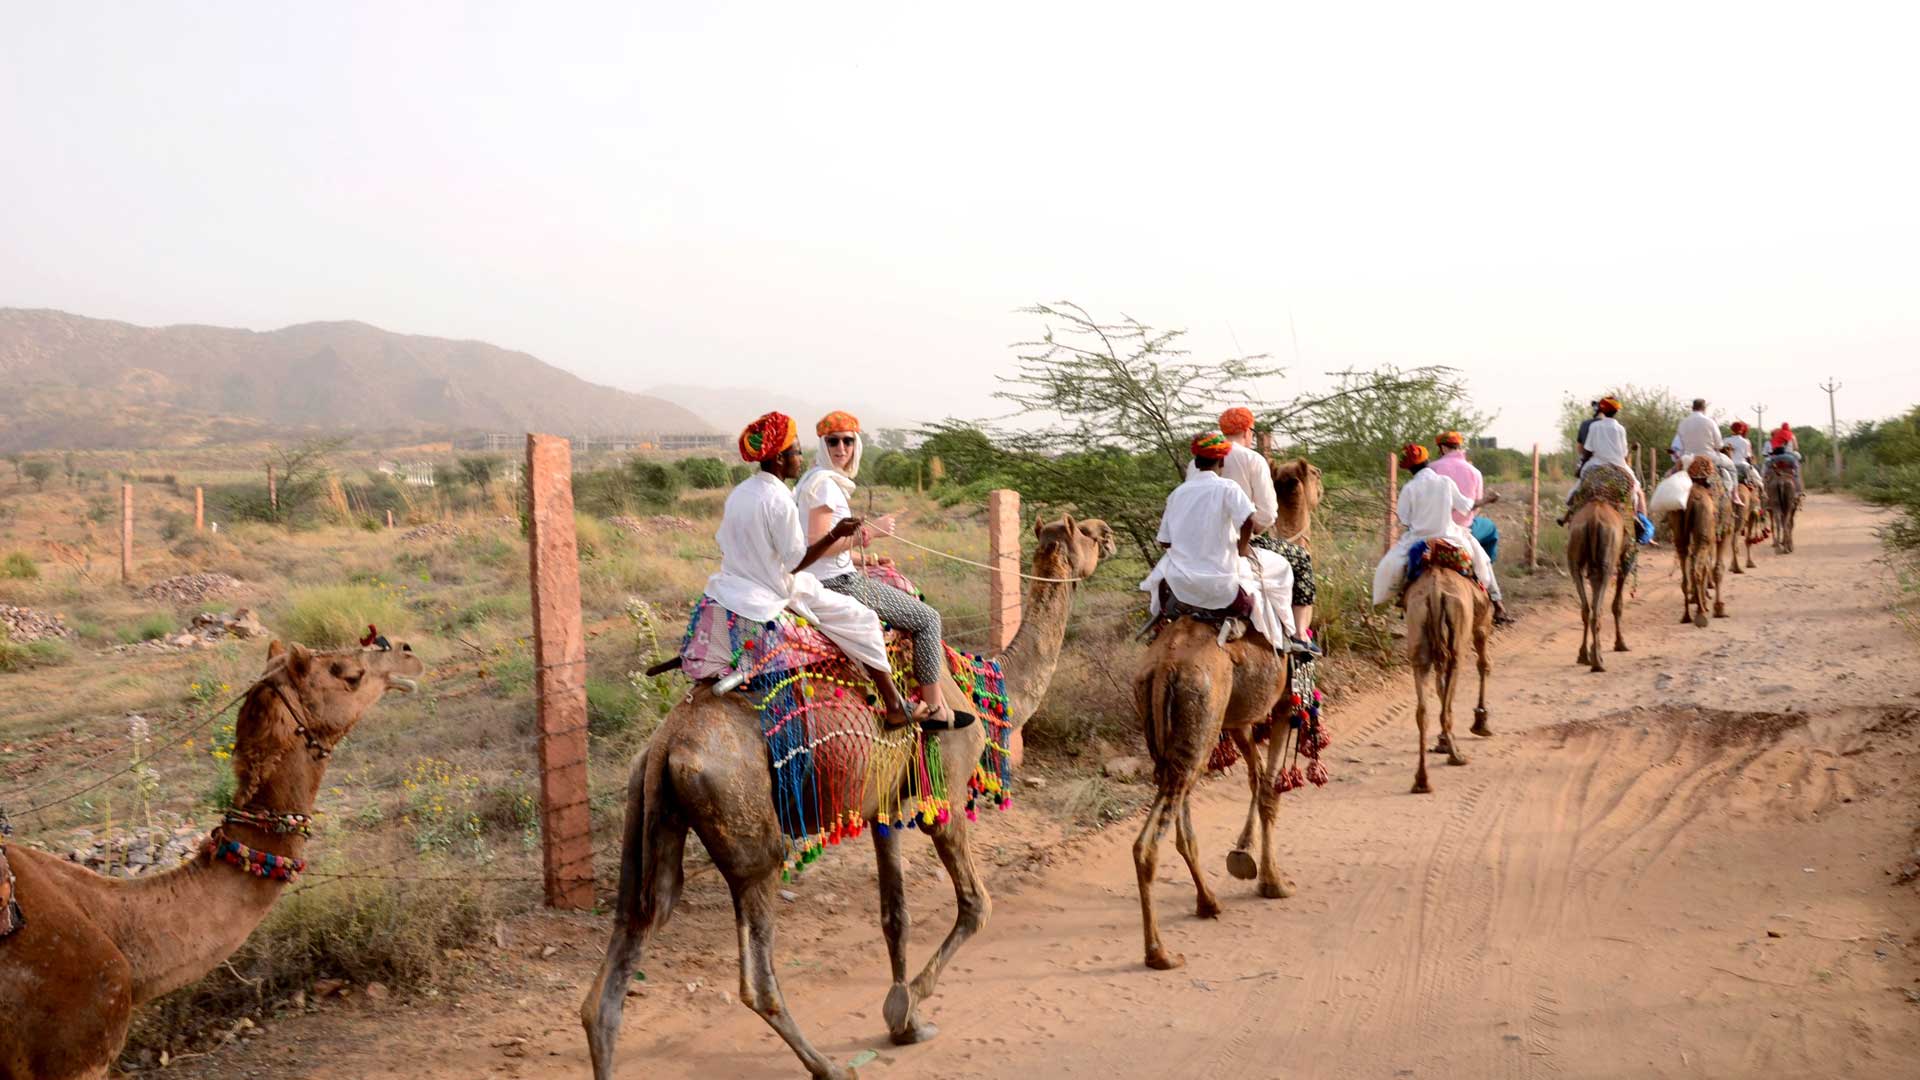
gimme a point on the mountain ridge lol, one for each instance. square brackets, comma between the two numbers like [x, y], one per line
[76, 382]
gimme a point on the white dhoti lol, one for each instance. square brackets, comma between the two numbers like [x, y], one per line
[1392, 569]
[845, 621]
[1267, 579]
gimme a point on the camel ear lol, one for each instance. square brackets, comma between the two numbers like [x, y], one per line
[1040, 528]
[276, 650]
[1067, 520]
[300, 662]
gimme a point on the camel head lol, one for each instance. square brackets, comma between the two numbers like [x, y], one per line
[1297, 483]
[1070, 548]
[305, 703]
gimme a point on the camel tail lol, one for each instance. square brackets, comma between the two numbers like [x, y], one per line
[1442, 648]
[640, 898]
[1159, 718]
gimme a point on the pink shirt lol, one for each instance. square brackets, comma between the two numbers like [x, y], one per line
[1454, 466]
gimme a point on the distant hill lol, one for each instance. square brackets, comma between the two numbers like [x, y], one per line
[72, 382]
[730, 408]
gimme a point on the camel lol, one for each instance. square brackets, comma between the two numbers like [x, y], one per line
[1694, 528]
[706, 769]
[1599, 546]
[1443, 607]
[1783, 503]
[1192, 688]
[95, 947]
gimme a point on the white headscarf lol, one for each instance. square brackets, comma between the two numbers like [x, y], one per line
[823, 463]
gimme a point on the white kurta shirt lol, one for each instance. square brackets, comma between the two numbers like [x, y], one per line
[1428, 502]
[1739, 449]
[1607, 438]
[1248, 470]
[1698, 434]
[816, 489]
[1202, 525]
[761, 540]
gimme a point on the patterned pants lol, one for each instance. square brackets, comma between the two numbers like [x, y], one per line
[1297, 557]
[900, 611]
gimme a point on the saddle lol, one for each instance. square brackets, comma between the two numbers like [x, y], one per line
[1232, 620]
[1605, 483]
[1441, 555]
[11, 918]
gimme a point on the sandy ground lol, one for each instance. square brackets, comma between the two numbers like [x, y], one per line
[1682, 867]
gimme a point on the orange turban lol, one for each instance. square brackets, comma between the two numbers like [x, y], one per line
[1451, 439]
[1414, 454]
[836, 422]
[1236, 420]
[1608, 405]
[1738, 427]
[1211, 446]
[768, 437]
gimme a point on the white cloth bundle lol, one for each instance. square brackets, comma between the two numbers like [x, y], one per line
[1669, 496]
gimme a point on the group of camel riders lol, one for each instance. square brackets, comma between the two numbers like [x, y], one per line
[1602, 442]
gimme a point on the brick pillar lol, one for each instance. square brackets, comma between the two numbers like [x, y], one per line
[1533, 514]
[389, 519]
[273, 489]
[560, 674]
[126, 532]
[199, 509]
[1003, 582]
[1390, 528]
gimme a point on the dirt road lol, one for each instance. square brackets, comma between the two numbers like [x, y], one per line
[1678, 868]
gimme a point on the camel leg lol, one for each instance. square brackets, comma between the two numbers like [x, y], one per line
[651, 861]
[1239, 862]
[1590, 614]
[1205, 905]
[1586, 610]
[1485, 666]
[1145, 855]
[904, 1025]
[1420, 719]
[753, 913]
[972, 903]
[1719, 585]
[1273, 885]
[1619, 602]
[1448, 683]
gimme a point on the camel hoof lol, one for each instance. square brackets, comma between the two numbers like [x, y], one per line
[1482, 728]
[1700, 620]
[1621, 646]
[1206, 909]
[1241, 865]
[1277, 890]
[917, 1032]
[1719, 611]
[1420, 786]
[1596, 666]
[898, 1012]
[1162, 960]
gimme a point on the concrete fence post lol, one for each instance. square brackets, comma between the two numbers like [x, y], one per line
[1533, 514]
[1390, 527]
[273, 489]
[560, 675]
[126, 533]
[199, 509]
[1003, 582]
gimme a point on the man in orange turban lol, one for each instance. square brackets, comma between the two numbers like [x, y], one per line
[1427, 506]
[1209, 563]
[764, 550]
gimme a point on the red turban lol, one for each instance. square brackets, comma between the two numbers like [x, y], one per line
[768, 437]
[1413, 454]
[836, 422]
[1738, 427]
[1608, 405]
[1782, 436]
[1236, 420]
[1451, 439]
[1211, 446]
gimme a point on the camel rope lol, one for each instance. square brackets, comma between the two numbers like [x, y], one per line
[984, 566]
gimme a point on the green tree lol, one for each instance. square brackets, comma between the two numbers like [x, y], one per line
[1650, 414]
[705, 473]
[478, 471]
[16, 459]
[38, 471]
[1371, 414]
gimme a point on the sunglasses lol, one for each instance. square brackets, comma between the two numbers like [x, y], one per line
[839, 440]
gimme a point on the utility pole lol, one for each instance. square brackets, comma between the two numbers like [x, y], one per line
[1760, 424]
[1832, 386]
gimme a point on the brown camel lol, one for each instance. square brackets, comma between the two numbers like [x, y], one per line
[1783, 503]
[1747, 517]
[1599, 547]
[1192, 688]
[1443, 608]
[706, 769]
[1693, 528]
[94, 947]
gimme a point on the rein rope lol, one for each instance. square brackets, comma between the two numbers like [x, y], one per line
[984, 566]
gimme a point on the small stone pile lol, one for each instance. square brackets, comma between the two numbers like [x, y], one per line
[139, 849]
[652, 526]
[26, 624]
[191, 588]
[205, 631]
[433, 530]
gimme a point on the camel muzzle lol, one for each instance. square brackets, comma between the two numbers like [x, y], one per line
[402, 684]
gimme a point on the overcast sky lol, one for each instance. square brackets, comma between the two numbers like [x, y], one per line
[851, 199]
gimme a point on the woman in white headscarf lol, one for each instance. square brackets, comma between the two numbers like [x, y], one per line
[823, 497]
